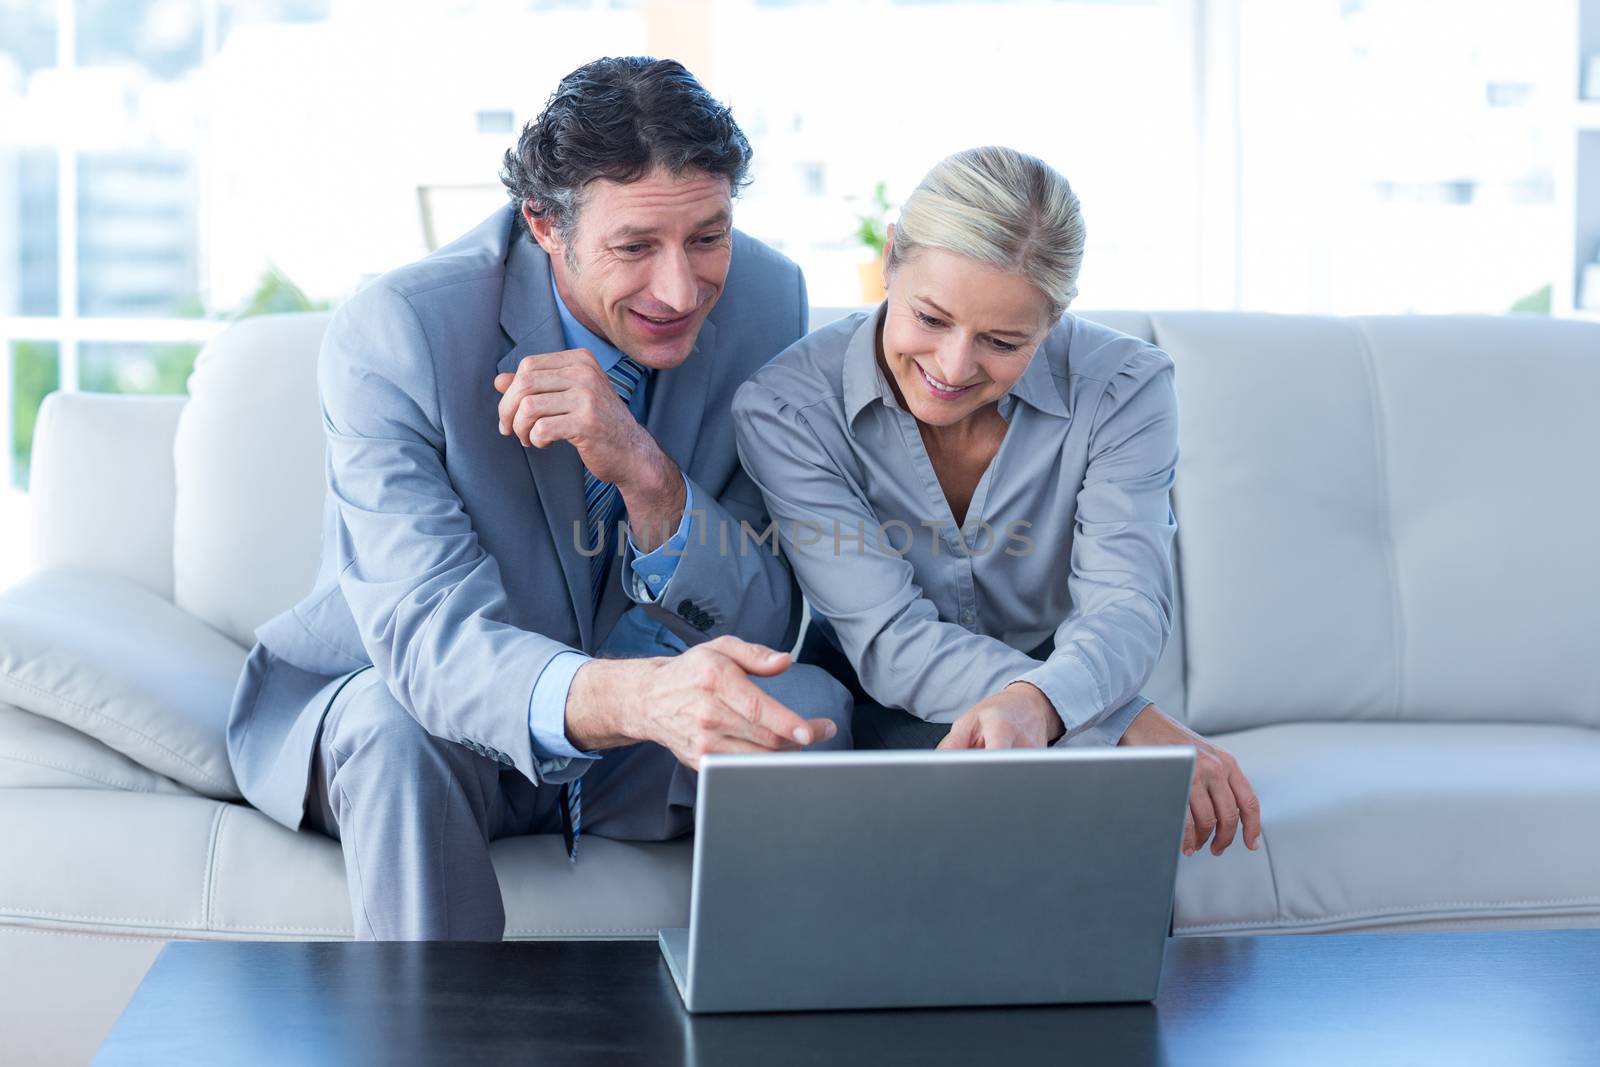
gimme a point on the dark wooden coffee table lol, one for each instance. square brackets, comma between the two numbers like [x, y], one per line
[1446, 998]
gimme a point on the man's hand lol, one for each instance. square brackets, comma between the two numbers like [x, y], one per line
[1019, 716]
[565, 396]
[698, 702]
[1220, 797]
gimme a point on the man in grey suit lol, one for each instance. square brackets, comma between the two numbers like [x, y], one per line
[486, 650]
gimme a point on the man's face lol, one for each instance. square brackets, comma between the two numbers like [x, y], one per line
[648, 261]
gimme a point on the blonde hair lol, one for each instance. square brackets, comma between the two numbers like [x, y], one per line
[1003, 208]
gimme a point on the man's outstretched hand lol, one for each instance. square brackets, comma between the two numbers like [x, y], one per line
[692, 704]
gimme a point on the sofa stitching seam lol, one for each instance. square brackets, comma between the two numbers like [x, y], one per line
[1406, 910]
[1182, 627]
[85, 775]
[15, 912]
[208, 887]
[54, 932]
[1272, 873]
[1386, 514]
[587, 930]
[200, 771]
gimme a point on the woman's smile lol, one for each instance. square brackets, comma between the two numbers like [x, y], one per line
[944, 390]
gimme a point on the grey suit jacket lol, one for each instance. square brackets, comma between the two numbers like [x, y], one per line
[449, 556]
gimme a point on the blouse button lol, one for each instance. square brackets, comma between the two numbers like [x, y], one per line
[968, 616]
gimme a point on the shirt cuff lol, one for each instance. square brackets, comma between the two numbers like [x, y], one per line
[1071, 690]
[1109, 730]
[547, 712]
[652, 572]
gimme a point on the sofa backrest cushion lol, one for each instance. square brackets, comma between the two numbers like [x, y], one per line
[1387, 518]
[250, 479]
[102, 485]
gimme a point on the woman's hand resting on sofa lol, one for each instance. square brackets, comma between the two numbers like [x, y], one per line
[1220, 797]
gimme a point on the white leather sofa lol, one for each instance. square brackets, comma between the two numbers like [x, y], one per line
[1390, 612]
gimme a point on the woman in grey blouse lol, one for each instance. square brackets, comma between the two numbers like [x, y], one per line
[972, 488]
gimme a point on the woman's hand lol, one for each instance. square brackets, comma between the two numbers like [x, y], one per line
[1220, 797]
[1019, 716]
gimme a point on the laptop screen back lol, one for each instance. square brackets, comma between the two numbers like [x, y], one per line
[899, 879]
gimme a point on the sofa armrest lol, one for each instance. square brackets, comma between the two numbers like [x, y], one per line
[103, 486]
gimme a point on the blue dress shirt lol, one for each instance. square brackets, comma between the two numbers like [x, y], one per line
[547, 705]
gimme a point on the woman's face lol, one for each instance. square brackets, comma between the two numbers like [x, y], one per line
[958, 333]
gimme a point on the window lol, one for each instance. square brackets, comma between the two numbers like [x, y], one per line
[498, 122]
[171, 163]
[1400, 155]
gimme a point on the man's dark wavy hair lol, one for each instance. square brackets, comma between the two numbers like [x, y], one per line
[619, 118]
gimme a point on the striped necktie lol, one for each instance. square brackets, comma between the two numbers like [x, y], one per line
[600, 506]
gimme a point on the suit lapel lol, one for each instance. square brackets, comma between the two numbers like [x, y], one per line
[528, 317]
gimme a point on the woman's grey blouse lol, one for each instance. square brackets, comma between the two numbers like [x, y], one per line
[1069, 534]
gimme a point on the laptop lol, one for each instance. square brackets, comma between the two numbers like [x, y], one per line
[910, 879]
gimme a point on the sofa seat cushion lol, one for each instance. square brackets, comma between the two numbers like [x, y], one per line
[40, 752]
[189, 866]
[1386, 824]
[113, 660]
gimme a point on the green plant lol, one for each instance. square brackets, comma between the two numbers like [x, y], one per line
[872, 228]
[1537, 302]
[276, 293]
[153, 369]
[35, 365]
